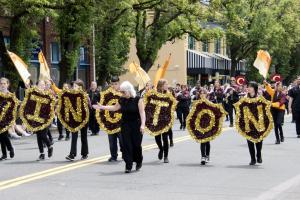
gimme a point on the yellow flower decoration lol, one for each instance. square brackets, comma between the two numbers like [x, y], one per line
[109, 121]
[159, 109]
[73, 109]
[254, 120]
[205, 120]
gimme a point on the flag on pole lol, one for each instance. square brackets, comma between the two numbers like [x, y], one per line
[162, 71]
[141, 77]
[44, 69]
[21, 67]
[263, 62]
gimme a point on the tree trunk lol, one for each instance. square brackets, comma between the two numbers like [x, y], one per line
[146, 64]
[68, 62]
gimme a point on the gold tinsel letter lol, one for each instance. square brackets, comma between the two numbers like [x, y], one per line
[249, 117]
[158, 106]
[4, 110]
[77, 115]
[36, 115]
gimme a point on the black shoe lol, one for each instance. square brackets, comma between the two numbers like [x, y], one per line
[84, 157]
[127, 171]
[111, 159]
[160, 154]
[60, 137]
[282, 139]
[277, 142]
[259, 160]
[183, 128]
[171, 144]
[50, 152]
[231, 125]
[70, 157]
[298, 136]
[180, 127]
[138, 166]
[166, 160]
[3, 158]
[41, 157]
[12, 153]
[253, 162]
[67, 138]
[203, 161]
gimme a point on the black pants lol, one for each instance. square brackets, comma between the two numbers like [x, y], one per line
[297, 121]
[60, 129]
[252, 146]
[182, 113]
[205, 149]
[42, 138]
[93, 125]
[164, 144]
[49, 134]
[5, 143]
[132, 143]
[278, 118]
[84, 143]
[230, 110]
[171, 136]
[113, 144]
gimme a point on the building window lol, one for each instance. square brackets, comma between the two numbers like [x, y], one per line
[55, 52]
[205, 45]
[192, 43]
[218, 46]
[84, 57]
[6, 40]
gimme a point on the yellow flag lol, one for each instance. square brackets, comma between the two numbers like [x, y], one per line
[44, 69]
[263, 62]
[141, 77]
[162, 71]
[21, 67]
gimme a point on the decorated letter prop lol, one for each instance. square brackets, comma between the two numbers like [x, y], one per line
[205, 120]
[159, 109]
[109, 121]
[8, 110]
[253, 118]
[73, 109]
[37, 109]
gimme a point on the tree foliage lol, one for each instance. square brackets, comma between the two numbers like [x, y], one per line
[258, 24]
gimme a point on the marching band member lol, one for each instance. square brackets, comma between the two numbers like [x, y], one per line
[278, 100]
[77, 85]
[204, 147]
[182, 110]
[94, 96]
[162, 87]
[41, 135]
[4, 138]
[133, 124]
[59, 124]
[113, 138]
[252, 93]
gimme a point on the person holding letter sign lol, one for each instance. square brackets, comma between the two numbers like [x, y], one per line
[8, 110]
[132, 126]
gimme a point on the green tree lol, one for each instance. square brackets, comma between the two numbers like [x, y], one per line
[256, 24]
[158, 22]
[74, 24]
[113, 30]
[24, 17]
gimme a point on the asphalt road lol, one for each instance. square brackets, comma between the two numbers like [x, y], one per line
[228, 176]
